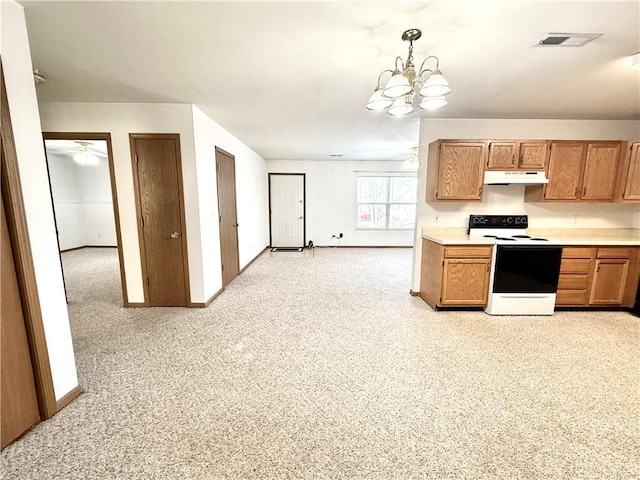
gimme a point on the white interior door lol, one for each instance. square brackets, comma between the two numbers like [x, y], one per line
[287, 209]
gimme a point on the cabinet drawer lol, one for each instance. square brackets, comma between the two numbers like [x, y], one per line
[467, 252]
[612, 252]
[572, 281]
[575, 265]
[576, 252]
[571, 297]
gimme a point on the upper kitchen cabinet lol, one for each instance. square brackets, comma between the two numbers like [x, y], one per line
[630, 176]
[580, 171]
[455, 170]
[517, 155]
[600, 169]
[565, 171]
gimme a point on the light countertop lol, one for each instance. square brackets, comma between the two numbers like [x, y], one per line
[566, 236]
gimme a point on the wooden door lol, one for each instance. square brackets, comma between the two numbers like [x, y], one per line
[286, 210]
[460, 171]
[465, 281]
[632, 184]
[502, 156]
[533, 156]
[565, 171]
[226, 173]
[609, 281]
[600, 169]
[160, 205]
[19, 398]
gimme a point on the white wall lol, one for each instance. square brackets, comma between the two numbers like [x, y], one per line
[331, 201]
[17, 67]
[98, 219]
[67, 202]
[510, 199]
[251, 198]
[82, 202]
[120, 119]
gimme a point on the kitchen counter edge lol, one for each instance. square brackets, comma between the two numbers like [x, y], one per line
[627, 238]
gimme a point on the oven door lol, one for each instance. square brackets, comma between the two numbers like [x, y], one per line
[527, 269]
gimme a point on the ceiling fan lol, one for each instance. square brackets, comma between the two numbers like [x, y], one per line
[83, 152]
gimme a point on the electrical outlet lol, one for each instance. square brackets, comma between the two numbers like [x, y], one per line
[340, 236]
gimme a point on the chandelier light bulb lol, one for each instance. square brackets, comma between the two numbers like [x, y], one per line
[435, 86]
[433, 103]
[401, 106]
[397, 86]
[378, 101]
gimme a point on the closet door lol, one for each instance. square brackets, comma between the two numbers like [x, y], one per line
[19, 398]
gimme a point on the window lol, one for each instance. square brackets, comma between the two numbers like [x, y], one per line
[387, 202]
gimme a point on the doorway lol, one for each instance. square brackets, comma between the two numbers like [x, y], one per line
[84, 199]
[287, 210]
[228, 215]
[157, 172]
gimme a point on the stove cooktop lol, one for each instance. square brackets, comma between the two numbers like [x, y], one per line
[505, 229]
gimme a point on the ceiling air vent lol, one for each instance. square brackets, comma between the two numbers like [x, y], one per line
[567, 39]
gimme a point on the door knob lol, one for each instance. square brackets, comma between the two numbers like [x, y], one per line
[175, 234]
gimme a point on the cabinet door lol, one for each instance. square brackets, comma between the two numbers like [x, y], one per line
[565, 171]
[609, 281]
[533, 156]
[465, 281]
[502, 156]
[632, 183]
[600, 168]
[460, 171]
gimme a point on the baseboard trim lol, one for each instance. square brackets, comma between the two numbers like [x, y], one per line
[68, 398]
[363, 246]
[254, 259]
[135, 305]
[414, 294]
[208, 302]
[87, 246]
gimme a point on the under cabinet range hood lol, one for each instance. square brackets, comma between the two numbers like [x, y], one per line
[520, 177]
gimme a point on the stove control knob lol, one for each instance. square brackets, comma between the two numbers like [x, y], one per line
[518, 220]
[509, 220]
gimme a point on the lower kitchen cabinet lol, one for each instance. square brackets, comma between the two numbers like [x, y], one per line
[598, 276]
[465, 281]
[453, 275]
[610, 276]
[574, 281]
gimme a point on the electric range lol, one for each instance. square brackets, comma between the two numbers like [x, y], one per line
[525, 269]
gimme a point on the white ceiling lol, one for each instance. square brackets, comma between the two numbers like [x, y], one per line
[290, 79]
[67, 148]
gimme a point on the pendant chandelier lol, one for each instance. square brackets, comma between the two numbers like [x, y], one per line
[398, 93]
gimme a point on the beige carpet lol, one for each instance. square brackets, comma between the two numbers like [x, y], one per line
[326, 368]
